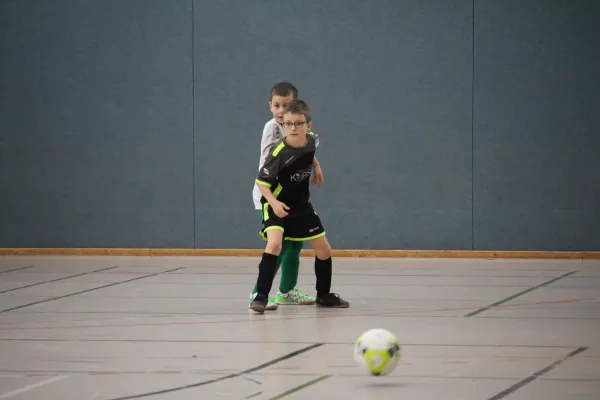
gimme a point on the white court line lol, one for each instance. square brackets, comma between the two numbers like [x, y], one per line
[28, 388]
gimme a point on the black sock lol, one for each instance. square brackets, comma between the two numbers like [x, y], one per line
[323, 274]
[266, 273]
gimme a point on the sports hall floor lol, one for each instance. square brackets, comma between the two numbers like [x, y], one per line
[175, 328]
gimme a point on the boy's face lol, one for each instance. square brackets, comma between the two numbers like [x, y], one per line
[277, 105]
[295, 124]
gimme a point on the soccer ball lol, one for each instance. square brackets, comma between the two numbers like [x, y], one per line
[377, 352]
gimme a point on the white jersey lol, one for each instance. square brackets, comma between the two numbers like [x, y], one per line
[272, 133]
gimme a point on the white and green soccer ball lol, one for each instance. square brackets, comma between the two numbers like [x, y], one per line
[377, 352]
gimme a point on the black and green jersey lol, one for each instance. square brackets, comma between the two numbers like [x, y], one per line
[287, 171]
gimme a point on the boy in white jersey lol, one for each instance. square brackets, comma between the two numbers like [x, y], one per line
[282, 93]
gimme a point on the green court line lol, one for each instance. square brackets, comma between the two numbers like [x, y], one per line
[514, 296]
[300, 387]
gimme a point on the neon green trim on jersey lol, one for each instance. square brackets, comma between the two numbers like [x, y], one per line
[278, 149]
[306, 238]
[276, 193]
[263, 183]
[270, 228]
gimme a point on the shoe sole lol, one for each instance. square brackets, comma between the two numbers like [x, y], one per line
[267, 308]
[340, 306]
[303, 303]
[257, 308]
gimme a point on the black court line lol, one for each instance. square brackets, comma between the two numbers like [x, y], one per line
[15, 269]
[222, 378]
[88, 290]
[438, 276]
[357, 284]
[273, 342]
[300, 387]
[309, 375]
[56, 280]
[514, 296]
[252, 380]
[536, 375]
[157, 315]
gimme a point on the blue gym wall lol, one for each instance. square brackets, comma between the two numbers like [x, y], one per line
[444, 124]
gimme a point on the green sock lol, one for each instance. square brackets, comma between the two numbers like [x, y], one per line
[290, 265]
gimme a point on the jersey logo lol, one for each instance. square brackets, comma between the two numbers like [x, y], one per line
[266, 171]
[301, 175]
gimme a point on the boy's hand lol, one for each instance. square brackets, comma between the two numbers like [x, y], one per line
[318, 176]
[280, 209]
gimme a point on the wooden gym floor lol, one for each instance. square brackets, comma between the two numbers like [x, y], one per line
[178, 328]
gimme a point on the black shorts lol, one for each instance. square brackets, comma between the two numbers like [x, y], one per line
[300, 225]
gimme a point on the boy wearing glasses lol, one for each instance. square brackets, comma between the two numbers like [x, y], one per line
[283, 181]
[282, 93]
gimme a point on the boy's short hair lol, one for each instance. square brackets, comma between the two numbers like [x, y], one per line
[298, 107]
[284, 89]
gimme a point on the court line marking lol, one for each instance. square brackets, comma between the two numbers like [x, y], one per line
[431, 274]
[508, 346]
[300, 387]
[222, 378]
[288, 318]
[89, 290]
[307, 374]
[252, 380]
[212, 314]
[15, 269]
[57, 279]
[392, 285]
[514, 296]
[536, 375]
[592, 303]
[30, 387]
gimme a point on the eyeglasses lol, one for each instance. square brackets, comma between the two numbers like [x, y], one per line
[298, 124]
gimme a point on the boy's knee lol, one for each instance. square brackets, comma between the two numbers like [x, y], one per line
[273, 248]
[323, 252]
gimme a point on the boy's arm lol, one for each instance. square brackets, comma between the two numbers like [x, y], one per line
[280, 209]
[270, 137]
[318, 172]
[266, 191]
[267, 177]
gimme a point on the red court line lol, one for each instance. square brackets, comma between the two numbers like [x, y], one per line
[246, 320]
